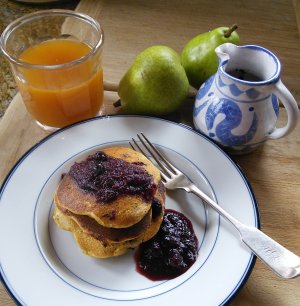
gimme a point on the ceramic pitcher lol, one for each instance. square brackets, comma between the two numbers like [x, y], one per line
[238, 106]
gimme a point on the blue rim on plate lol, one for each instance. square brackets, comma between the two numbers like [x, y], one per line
[252, 260]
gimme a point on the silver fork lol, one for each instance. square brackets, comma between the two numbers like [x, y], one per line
[279, 259]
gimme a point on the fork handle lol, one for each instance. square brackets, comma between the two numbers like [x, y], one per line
[279, 259]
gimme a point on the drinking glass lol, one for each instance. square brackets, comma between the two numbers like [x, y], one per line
[56, 59]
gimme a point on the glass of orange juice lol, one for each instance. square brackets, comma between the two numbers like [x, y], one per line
[56, 59]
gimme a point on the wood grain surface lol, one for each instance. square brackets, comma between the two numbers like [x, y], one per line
[273, 170]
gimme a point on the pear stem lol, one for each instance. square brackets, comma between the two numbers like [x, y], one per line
[228, 32]
[192, 92]
[117, 103]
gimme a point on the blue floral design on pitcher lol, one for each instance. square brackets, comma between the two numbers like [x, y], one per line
[205, 88]
[202, 93]
[233, 118]
[199, 108]
[275, 105]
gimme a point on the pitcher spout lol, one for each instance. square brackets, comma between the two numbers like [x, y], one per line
[225, 52]
[248, 64]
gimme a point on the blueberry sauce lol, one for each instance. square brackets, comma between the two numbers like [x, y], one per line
[156, 208]
[171, 252]
[108, 178]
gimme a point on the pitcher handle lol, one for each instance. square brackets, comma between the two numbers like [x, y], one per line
[290, 104]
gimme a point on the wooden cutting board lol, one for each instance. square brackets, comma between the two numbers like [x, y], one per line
[273, 171]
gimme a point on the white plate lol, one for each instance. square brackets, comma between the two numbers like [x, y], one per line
[39, 262]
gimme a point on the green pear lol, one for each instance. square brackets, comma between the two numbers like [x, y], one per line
[198, 56]
[155, 84]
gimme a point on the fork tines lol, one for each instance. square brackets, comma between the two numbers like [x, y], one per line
[147, 148]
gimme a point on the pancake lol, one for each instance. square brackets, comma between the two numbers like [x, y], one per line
[108, 234]
[89, 245]
[99, 249]
[109, 227]
[124, 211]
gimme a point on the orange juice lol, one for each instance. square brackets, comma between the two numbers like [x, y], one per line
[58, 96]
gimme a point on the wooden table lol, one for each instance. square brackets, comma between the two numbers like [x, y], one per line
[273, 170]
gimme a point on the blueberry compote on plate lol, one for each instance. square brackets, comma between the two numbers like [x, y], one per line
[171, 252]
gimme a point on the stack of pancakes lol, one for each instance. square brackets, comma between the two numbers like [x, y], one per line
[106, 229]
